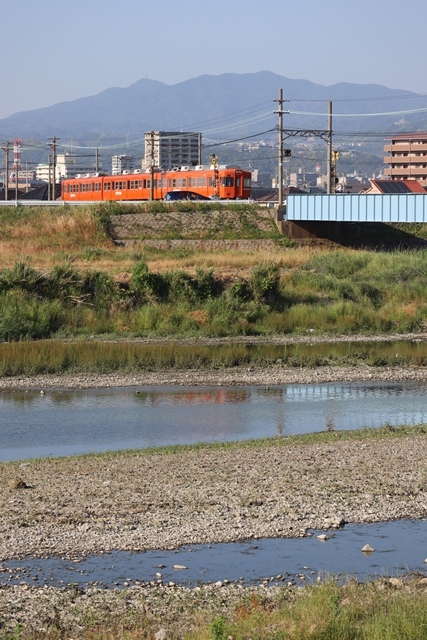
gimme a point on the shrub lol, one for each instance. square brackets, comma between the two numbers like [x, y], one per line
[147, 286]
[181, 286]
[265, 283]
[98, 288]
[26, 317]
[23, 277]
[64, 282]
[205, 284]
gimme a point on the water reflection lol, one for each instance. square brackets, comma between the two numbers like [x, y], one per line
[194, 396]
[70, 422]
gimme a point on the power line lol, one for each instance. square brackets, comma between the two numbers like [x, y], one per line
[373, 99]
[363, 115]
[255, 135]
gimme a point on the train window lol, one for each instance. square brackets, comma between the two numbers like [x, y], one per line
[199, 182]
[107, 186]
[227, 182]
[246, 182]
[169, 182]
[139, 184]
[238, 182]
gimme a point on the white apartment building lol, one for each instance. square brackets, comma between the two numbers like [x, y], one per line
[68, 165]
[169, 149]
[121, 163]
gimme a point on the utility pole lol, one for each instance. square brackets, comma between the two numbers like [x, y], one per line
[49, 178]
[280, 113]
[329, 189]
[214, 165]
[336, 157]
[6, 175]
[97, 161]
[53, 147]
[152, 166]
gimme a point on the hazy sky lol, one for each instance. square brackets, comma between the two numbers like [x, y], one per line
[57, 51]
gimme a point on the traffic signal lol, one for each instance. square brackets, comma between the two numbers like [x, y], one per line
[288, 153]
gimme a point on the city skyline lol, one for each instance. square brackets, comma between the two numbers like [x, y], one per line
[61, 53]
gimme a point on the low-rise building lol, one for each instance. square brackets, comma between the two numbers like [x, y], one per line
[407, 157]
[68, 165]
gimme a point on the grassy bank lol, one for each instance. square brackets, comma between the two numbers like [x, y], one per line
[71, 280]
[381, 610]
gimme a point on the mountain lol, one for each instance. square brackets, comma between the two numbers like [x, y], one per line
[198, 104]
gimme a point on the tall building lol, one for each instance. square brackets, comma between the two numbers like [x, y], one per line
[121, 163]
[169, 149]
[407, 157]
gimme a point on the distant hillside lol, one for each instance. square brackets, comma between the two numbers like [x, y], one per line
[197, 103]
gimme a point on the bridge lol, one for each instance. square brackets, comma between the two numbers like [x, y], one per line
[407, 207]
[321, 216]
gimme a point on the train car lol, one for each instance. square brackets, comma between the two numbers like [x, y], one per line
[223, 183]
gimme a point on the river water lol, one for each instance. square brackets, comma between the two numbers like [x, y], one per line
[399, 547]
[74, 422]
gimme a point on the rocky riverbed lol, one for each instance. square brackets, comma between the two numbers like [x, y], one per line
[150, 500]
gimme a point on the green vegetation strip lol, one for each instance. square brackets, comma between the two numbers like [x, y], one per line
[331, 293]
[85, 356]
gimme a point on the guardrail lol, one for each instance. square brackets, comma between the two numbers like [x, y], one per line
[63, 203]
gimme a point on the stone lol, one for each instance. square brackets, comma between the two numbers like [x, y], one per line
[367, 549]
[396, 582]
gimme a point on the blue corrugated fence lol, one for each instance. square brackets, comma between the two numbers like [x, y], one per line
[408, 207]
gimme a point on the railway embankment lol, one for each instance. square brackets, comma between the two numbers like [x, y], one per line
[217, 229]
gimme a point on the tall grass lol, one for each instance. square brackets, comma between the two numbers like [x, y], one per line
[28, 357]
[188, 293]
[374, 611]
[343, 293]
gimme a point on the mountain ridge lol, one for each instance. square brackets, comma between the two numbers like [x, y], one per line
[196, 103]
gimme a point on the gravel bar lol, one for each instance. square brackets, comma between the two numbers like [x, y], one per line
[76, 506]
[151, 500]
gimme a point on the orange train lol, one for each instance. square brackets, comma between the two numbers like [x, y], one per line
[179, 184]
